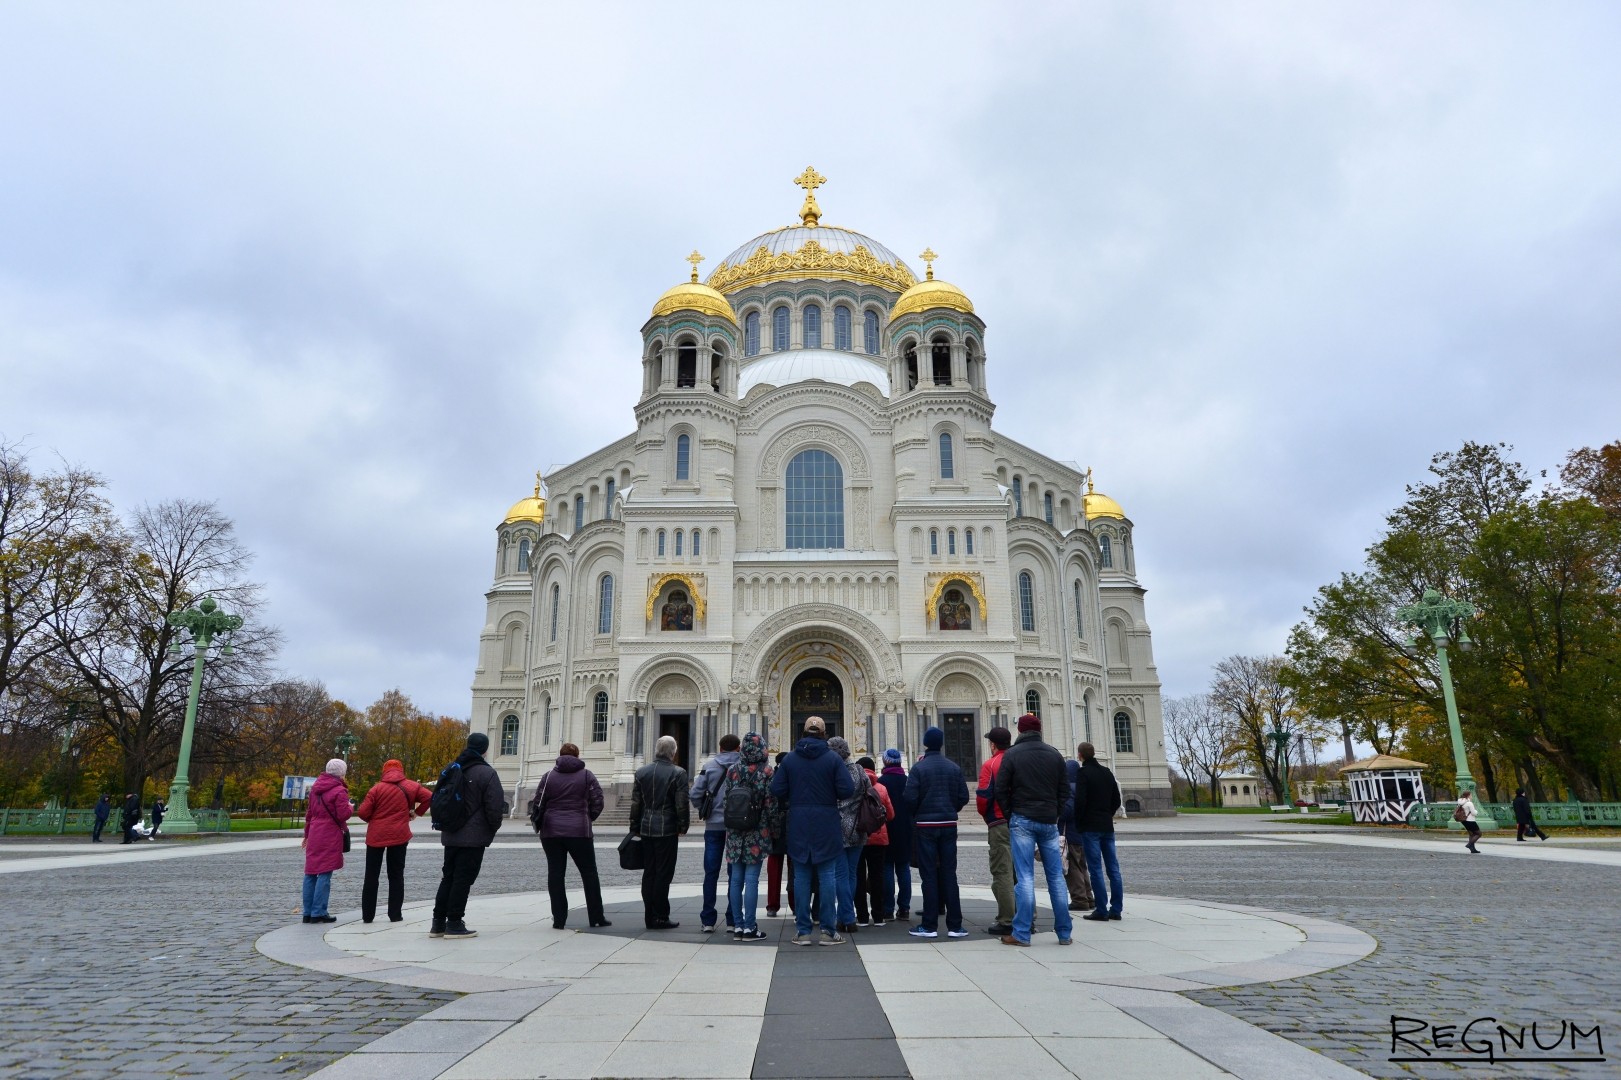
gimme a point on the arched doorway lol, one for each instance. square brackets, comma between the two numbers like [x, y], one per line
[817, 692]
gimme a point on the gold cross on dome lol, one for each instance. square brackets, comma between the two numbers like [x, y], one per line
[810, 180]
[695, 259]
[928, 256]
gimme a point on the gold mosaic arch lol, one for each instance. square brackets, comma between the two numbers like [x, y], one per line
[693, 582]
[936, 585]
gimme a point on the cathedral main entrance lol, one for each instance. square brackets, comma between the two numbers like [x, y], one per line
[817, 692]
[961, 746]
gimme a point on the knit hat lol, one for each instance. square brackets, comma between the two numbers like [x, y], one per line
[1000, 736]
[892, 756]
[933, 739]
[1029, 722]
[338, 767]
[839, 746]
[478, 743]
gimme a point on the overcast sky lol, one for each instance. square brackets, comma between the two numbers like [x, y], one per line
[356, 270]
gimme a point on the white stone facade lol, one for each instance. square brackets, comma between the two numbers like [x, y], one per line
[705, 499]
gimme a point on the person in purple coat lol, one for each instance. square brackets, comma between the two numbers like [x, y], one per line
[329, 807]
[570, 800]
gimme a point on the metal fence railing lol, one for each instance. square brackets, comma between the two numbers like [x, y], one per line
[60, 822]
[1438, 815]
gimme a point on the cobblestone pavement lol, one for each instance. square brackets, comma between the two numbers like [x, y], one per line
[149, 970]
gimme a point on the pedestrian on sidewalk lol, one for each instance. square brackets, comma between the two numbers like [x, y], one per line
[996, 832]
[709, 799]
[898, 857]
[570, 800]
[387, 810]
[464, 840]
[660, 815]
[130, 817]
[1032, 789]
[1523, 821]
[779, 852]
[1076, 875]
[749, 812]
[104, 810]
[812, 780]
[158, 810]
[324, 830]
[936, 793]
[851, 832]
[1097, 797]
[1465, 815]
[870, 891]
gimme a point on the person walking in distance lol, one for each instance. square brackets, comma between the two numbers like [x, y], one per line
[870, 889]
[1076, 875]
[1523, 821]
[324, 831]
[158, 810]
[1032, 791]
[569, 800]
[1097, 797]
[709, 799]
[749, 814]
[898, 855]
[387, 810]
[660, 815]
[1465, 815]
[936, 793]
[104, 810]
[465, 832]
[812, 780]
[996, 832]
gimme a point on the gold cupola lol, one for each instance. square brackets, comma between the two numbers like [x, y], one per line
[1099, 506]
[931, 293]
[530, 508]
[695, 296]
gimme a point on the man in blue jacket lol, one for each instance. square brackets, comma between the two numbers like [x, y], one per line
[812, 780]
[936, 793]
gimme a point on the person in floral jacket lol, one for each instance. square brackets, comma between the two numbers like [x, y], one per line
[747, 849]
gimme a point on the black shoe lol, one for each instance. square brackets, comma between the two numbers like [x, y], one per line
[1114, 916]
[663, 924]
[365, 920]
[456, 928]
[396, 918]
[1519, 839]
[324, 918]
[999, 929]
[1097, 916]
[559, 926]
[597, 924]
[437, 929]
[904, 914]
[309, 918]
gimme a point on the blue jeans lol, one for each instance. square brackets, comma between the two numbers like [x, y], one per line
[317, 887]
[714, 861]
[937, 868]
[898, 879]
[847, 883]
[744, 894]
[1024, 836]
[827, 879]
[1100, 854]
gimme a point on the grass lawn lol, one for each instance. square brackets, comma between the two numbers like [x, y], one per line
[264, 824]
[1222, 810]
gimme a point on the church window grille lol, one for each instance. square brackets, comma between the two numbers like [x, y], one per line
[1107, 549]
[779, 329]
[695, 535]
[523, 555]
[599, 717]
[1080, 615]
[1027, 602]
[968, 541]
[678, 536]
[948, 467]
[683, 457]
[815, 501]
[813, 326]
[509, 735]
[579, 512]
[1047, 507]
[605, 613]
[608, 501]
[951, 541]
[1032, 702]
[557, 599]
[934, 541]
[661, 543]
[686, 366]
[841, 328]
[751, 334]
[1018, 497]
[870, 333]
[1122, 733]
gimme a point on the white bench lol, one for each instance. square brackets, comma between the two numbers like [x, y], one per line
[1283, 809]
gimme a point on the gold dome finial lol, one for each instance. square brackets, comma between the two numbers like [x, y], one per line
[695, 259]
[1089, 490]
[810, 180]
[928, 256]
[539, 483]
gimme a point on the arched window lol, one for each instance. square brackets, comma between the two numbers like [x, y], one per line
[1246, 789]
[660, 542]
[514, 647]
[934, 541]
[599, 717]
[695, 535]
[841, 328]
[1032, 702]
[751, 334]
[557, 599]
[870, 333]
[968, 541]
[546, 720]
[1047, 507]
[951, 541]
[815, 501]
[948, 467]
[678, 535]
[608, 500]
[1018, 497]
[509, 735]
[717, 364]
[1106, 557]
[779, 329]
[813, 326]
[605, 610]
[683, 457]
[686, 365]
[1027, 602]
[579, 512]
[1122, 733]
[523, 555]
[911, 366]
[1080, 612]
[940, 362]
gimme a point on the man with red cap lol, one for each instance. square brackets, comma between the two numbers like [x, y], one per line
[1031, 789]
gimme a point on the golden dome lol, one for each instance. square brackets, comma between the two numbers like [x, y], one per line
[931, 293]
[1099, 506]
[532, 508]
[695, 296]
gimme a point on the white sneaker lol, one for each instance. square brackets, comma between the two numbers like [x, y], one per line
[707, 929]
[956, 933]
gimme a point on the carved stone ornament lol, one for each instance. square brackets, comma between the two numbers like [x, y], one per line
[695, 588]
[771, 463]
[858, 629]
[935, 584]
[811, 258]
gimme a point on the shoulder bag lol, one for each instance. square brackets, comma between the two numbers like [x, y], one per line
[537, 805]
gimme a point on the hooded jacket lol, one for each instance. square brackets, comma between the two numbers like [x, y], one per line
[482, 790]
[390, 805]
[936, 791]
[1031, 780]
[573, 799]
[812, 780]
[893, 781]
[751, 771]
[324, 818]
[712, 777]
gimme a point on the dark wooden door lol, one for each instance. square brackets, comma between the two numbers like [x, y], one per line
[817, 692]
[679, 727]
[960, 745]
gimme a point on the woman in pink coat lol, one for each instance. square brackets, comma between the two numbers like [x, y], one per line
[324, 829]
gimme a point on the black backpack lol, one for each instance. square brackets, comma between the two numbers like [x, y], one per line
[449, 809]
[741, 811]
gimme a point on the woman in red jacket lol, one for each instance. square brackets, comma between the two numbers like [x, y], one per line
[387, 810]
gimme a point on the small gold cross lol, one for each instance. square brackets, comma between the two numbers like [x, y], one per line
[928, 256]
[810, 179]
[809, 213]
[695, 259]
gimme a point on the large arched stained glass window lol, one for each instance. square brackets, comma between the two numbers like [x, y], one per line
[1122, 733]
[751, 334]
[557, 599]
[841, 328]
[813, 326]
[870, 333]
[509, 735]
[779, 329]
[683, 457]
[948, 467]
[1032, 702]
[815, 501]
[1027, 602]
[599, 717]
[605, 609]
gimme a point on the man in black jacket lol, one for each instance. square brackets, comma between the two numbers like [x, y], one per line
[1097, 797]
[1031, 790]
[1523, 821]
[465, 844]
[659, 814]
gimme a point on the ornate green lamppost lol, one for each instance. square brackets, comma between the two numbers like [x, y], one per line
[346, 744]
[1281, 737]
[203, 622]
[1442, 621]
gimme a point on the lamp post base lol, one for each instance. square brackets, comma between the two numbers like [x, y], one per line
[177, 819]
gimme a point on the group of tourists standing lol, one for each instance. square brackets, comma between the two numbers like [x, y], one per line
[129, 819]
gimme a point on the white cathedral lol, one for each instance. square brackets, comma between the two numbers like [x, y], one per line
[813, 515]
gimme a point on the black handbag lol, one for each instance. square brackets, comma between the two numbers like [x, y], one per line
[631, 855]
[329, 813]
[537, 806]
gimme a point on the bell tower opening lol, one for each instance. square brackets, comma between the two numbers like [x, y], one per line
[817, 692]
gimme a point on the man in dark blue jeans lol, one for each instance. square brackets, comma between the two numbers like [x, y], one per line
[936, 792]
[710, 789]
[1097, 797]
